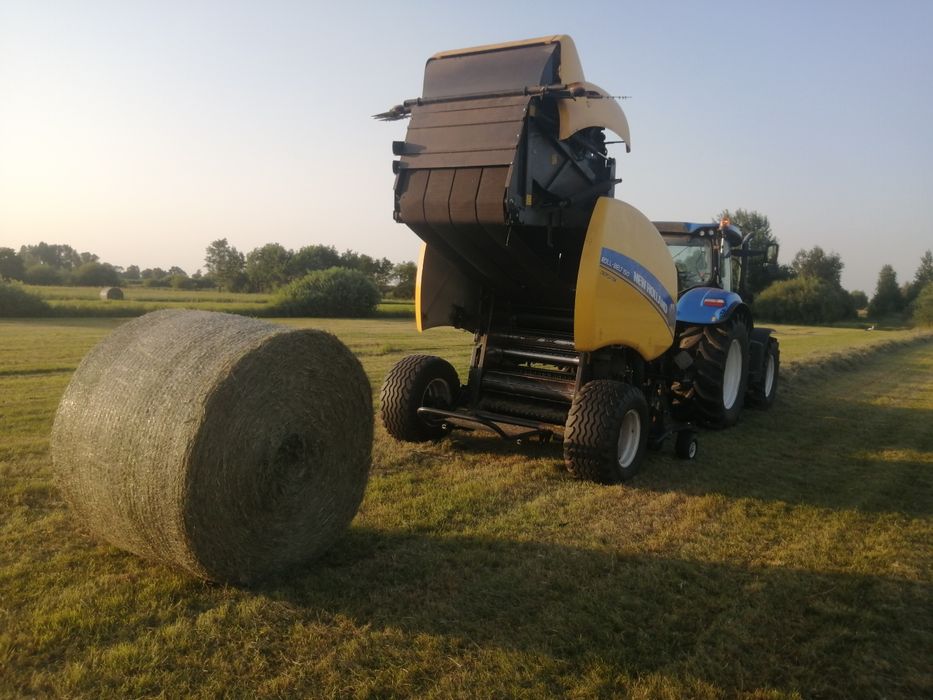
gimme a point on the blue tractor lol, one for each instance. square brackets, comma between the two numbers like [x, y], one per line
[721, 359]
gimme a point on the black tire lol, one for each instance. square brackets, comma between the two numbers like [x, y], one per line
[416, 381]
[762, 393]
[594, 445]
[705, 396]
[686, 445]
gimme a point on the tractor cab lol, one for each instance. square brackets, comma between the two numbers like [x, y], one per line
[704, 254]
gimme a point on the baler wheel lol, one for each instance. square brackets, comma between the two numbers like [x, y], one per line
[416, 381]
[607, 432]
[761, 394]
[720, 374]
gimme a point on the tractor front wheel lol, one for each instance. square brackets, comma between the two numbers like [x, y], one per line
[607, 432]
[416, 381]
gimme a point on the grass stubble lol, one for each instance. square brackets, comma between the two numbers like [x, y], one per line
[792, 558]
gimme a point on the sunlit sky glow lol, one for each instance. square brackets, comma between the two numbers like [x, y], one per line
[142, 131]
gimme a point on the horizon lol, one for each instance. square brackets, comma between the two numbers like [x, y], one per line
[143, 133]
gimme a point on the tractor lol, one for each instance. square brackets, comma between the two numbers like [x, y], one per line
[590, 322]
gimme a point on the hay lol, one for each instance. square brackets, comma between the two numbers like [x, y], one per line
[111, 293]
[227, 446]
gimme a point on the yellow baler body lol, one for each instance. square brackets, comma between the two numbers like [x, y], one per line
[625, 283]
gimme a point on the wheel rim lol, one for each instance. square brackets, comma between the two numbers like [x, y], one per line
[629, 438]
[732, 375]
[692, 449]
[769, 375]
[437, 394]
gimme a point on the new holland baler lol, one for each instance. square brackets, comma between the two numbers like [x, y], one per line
[505, 175]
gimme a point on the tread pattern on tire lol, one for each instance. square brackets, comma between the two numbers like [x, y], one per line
[591, 438]
[756, 393]
[401, 394]
[701, 399]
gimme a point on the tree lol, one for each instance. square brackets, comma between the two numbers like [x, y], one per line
[923, 306]
[225, 264]
[819, 264]
[922, 277]
[95, 274]
[131, 273]
[859, 299]
[758, 275]
[267, 267]
[312, 257]
[58, 257]
[888, 299]
[405, 274]
[11, 265]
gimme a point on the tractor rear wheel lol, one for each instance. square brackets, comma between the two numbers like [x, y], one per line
[761, 394]
[607, 431]
[416, 381]
[716, 394]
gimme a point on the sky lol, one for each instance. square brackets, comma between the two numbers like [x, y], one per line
[142, 131]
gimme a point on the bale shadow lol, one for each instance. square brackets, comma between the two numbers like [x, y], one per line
[825, 634]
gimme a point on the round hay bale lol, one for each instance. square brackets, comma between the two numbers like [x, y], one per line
[227, 446]
[111, 293]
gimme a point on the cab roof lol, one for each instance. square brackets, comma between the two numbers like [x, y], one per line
[732, 233]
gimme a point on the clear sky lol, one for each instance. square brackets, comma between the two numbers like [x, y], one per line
[142, 131]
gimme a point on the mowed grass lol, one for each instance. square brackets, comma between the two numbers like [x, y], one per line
[792, 558]
[85, 301]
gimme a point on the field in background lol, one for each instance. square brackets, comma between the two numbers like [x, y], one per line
[793, 555]
[85, 301]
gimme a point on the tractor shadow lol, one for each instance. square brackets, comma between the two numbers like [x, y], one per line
[738, 628]
[810, 450]
[818, 445]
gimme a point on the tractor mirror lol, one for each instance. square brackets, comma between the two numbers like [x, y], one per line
[771, 255]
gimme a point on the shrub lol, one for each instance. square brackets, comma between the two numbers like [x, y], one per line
[16, 301]
[95, 274]
[923, 306]
[336, 291]
[182, 282]
[804, 300]
[43, 274]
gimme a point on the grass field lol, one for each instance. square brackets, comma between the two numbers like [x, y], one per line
[85, 301]
[794, 557]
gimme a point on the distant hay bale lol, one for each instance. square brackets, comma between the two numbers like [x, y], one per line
[111, 293]
[227, 446]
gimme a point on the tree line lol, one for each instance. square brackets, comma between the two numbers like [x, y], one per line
[809, 289]
[263, 269]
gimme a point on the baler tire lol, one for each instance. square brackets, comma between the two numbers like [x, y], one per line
[600, 442]
[761, 395]
[703, 399]
[416, 381]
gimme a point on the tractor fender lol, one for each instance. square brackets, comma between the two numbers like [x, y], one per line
[707, 306]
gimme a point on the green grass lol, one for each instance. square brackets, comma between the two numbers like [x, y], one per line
[82, 302]
[792, 558]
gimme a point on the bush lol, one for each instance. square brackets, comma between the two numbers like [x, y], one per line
[16, 301]
[335, 292]
[804, 300]
[923, 306]
[43, 274]
[182, 282]
[95, 274]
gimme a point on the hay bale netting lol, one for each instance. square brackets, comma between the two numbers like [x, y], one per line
[111, 293]
[227, 446]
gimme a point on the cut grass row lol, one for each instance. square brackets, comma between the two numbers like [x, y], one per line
[793, 557]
